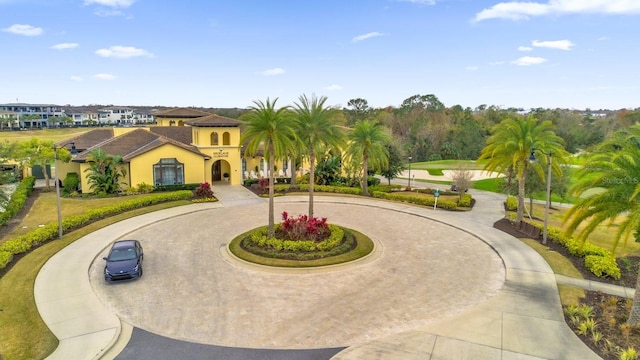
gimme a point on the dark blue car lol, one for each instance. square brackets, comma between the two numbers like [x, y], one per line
[124, 261]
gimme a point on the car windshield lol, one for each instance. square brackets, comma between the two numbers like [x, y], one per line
[122, 254]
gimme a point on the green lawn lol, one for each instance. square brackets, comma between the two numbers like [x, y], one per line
[44, 134]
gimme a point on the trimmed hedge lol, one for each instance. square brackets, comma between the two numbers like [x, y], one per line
[598, 260]
[443, 204]
[465, 201]
[24, 243]
[259, 237]
[18, 199]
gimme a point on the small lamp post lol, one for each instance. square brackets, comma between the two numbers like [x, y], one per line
[55, 159]
[548, 200]
[409, 171]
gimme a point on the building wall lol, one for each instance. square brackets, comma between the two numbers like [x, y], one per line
[84, 172]
[194, 165]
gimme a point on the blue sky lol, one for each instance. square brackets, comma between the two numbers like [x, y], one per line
[539, 53]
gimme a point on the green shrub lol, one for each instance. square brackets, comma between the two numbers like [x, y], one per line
[465, 201]
[5, 258]
[419, 200]
[71, 182]
[511, 203]
[601, 261]
[18, 199]
[259, 237]
[385, 188]
[176, 187]
[249, 182]
[602, 266]
[372, 181]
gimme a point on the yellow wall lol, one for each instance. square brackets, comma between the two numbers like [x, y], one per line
[84, 183]
[194, 168]
[229, 154]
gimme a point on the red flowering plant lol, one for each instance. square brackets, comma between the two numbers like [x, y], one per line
[303, 228]
[203, 191]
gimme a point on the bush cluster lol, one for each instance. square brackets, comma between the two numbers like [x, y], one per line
[18, 199]
[465, 201]
[303, 228]
[598, 260]
[176, 187]
[442, 204]
[511, 203]
[24, 243]
[259, 237]
[203, 191]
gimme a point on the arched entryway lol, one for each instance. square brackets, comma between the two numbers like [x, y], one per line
[219, 169]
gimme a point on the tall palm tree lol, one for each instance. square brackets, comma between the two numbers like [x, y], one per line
[315, 127]
[511, 145]
[613, 168]
[274, 129]
[367, 143]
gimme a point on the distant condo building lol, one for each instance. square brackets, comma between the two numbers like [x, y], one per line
[22, 115]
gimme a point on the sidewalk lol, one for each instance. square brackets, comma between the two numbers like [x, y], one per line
[523, 321]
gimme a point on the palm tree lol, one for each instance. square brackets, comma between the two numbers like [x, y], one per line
[613, 168]
[104, 172]
[315, 128]
[511, 145]
[274, 129]
[367, 143]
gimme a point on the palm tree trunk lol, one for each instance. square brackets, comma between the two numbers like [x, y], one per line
[365, 169]
[272, 160]
[521, 179]
[312, 178]
[634, 314]
[294, 174]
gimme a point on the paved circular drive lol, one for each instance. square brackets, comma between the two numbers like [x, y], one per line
[425, 271]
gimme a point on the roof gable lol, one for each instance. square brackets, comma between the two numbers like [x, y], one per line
[135, 143]
[181, 113]
[214, 120]
[88, 139]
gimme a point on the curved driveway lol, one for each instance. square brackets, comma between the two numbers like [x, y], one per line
[190, 292]
[450, 297]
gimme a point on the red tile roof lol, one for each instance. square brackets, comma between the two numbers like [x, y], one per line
[214, 120]
[135, 143]
[181, 113]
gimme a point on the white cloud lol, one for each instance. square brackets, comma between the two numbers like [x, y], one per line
[76, 78]
[471, 68]
[419, 2]
[26, 30]
[603, 38]
[557, 44]
[273, 72]
[366, 36]
[107, 13]
[333, 87]
[123, 52]
[111, 3]
[103, 76]
[519, 10]
[64, 46]
[524, 48]
[529, 60]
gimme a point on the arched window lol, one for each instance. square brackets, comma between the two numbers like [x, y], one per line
[214, 138]
[168, 172]
[226, 138]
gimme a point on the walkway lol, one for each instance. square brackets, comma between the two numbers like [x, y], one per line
[516, 316]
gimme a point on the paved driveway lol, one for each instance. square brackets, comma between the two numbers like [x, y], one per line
[422, 271]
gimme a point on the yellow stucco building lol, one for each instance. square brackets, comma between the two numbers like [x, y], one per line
[187, 146]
